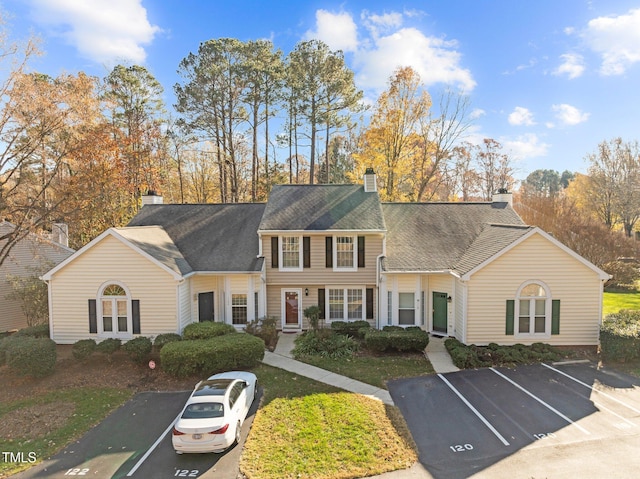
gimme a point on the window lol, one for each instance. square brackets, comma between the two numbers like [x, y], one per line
[354, 304]
[389, 307]
[291, 252]
[346, 304]
[115, 314]
[533, 310]
[336, 304]
[345, 252]
[239, 308]
[406, 309]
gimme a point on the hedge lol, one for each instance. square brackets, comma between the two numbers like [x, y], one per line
[399, 340]
[31, 356]
[357, 329]
[207, 330]
[620, 336]
[472, 356]
[84, 348]
[108, 346]
[39, 331]
[162, 339]
[209, 356]
[138, 349]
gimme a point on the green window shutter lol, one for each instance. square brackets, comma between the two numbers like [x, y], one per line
[360, 251]
[135, 313]
[555, 316]
[274, 251]
[329, 251]
[321, 304]
[306, 252]
[510, 311]
[93, 318]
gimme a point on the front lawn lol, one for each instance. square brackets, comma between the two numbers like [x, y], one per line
[614, 302]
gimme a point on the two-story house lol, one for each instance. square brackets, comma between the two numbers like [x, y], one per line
[469, 270]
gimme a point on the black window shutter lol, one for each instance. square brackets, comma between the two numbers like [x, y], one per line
[274, 251]
[321, 303]
[306, 252]
[555, 316]
[360, 251]
[369, 303]
[510, 311]
[93, 318]
[329, 251]
[135, 315]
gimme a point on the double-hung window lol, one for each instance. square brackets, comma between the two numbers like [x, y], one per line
[345, 252]
[406, 309]
[346, 304]
[291, 253]
[239, 309]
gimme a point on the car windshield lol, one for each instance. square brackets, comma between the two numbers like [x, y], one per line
[203, 410]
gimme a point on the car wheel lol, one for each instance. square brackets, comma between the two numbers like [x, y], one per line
[238, 432]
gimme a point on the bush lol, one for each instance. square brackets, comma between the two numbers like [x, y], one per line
[473, 356]
[31, 356]
[324, 344]
[39, 331]
[205, 357]
[624, 276]
[396, 339]
[108, 346]
[620, 336]
[312, 313]
[265, 329]
[166, 338]
[138, 349]
[4, 344]
[207, 330]
[83, 349]
[357, 329]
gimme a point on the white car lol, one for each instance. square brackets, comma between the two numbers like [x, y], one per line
[212, 418]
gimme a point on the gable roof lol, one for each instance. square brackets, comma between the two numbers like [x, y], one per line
[433, 237]
[210, 237]
[322, 208]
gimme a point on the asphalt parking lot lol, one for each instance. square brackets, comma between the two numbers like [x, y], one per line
[135, 441]
[532, 421]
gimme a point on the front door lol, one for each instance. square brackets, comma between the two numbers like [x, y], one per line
[205, 306]
[439, 312]
[291, 309]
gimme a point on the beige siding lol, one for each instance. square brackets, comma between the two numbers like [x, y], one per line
[184, 301]
[574, 284]
[460, 312]
[111, 260]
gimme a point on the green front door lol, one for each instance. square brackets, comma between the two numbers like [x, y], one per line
[440, 312]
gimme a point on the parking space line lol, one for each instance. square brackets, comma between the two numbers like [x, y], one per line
[592, 388]
[548, 406]
[153, 446]
[474, 410]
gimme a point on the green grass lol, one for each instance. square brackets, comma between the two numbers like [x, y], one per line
[278, 383]
[90, 407]
[614, 302]
[375, 370]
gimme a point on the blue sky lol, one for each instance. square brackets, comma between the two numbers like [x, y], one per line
[548, 79]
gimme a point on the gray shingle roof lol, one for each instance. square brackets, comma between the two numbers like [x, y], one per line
[436, 236]
[322, 207]
[210, 237]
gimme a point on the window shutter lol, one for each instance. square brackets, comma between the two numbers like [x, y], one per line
[360, 251]
[274, 251]
[555, 316]
[321, 303]
[93, 318]
[510, 311]
[135, 315]
[306, 252]
[369, 303]
[329, 251]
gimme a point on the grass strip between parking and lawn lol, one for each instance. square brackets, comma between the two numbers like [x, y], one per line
[332, 436]
[614, 302]
[31, 432]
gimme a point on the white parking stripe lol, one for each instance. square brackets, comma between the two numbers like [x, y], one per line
[155, 444]
[551, 408]
[592, 388]
[475, 411]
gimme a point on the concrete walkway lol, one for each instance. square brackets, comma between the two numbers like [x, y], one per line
[439, 356]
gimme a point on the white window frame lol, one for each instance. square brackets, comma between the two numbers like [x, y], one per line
[414, 309]
[245, 306]
[531, 313]
[281, 255]
[354, 263]
[114, 333]
[345, 303]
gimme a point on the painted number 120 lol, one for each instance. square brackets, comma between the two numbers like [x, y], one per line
[461, 448]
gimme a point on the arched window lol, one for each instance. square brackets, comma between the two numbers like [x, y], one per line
[533, 309]
[114, 311]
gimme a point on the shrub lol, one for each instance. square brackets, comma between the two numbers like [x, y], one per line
[166, 338]
[351, 328]
[138, 348]
[620, 336]
[265, 329]
[473, 356]
[624, 276]
[209, 356]
[108, 346]
[396, 339]
[83, 349]
[4, 344]
[324, 344]
[207, 330]
[312, 313]
[31, 356]
[39, 331]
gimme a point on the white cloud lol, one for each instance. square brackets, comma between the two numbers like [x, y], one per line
[525, 146]
[338, 30]
[569, 115]
[105, 31]
[521, 116]
[377, 24]
[616, 39]
[572, 65]
[435, 60]
[477, 113]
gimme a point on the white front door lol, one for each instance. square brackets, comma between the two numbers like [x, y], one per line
[291, 309]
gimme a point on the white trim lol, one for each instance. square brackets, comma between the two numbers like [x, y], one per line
[289, 269]
[345, 302]
[535, 230]
[547, 311]
[283, 308]
[114, 333]
[354, 242]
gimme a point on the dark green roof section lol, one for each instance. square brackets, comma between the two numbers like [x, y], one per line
[322, 208]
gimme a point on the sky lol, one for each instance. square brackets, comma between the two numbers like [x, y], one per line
[547, 79]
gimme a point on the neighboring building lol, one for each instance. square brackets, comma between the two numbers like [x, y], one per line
[469, 270]
[27, 256]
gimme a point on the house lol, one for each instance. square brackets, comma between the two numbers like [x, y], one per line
[28, 257]
[469, 270]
